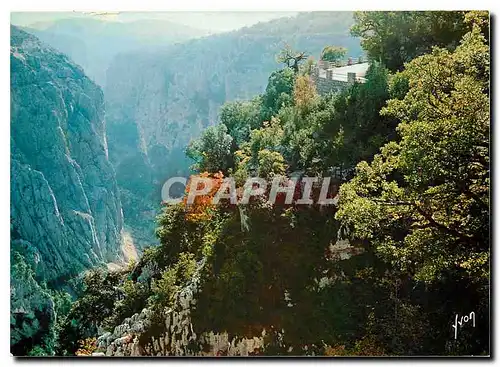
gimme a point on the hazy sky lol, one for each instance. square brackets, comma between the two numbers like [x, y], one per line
[214, 21]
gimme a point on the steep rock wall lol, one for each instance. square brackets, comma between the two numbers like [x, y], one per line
[65, 210]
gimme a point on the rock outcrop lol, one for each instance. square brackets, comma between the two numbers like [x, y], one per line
[65, 209]
[173, 333]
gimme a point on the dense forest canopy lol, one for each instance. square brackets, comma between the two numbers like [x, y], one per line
[384, 272]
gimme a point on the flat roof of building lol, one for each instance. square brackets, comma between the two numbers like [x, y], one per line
[359, 69]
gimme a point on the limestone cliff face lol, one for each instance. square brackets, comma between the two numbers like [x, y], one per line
[65, 210]
[175, 335]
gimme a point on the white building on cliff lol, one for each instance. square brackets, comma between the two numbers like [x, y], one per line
[329, 77]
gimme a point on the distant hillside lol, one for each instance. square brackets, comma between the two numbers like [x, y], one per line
[92, 43]
[156, 101]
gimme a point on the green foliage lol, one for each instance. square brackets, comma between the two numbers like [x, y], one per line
[62, 302]
[304, 94]
[132, 300]
[333, 53]
[240, 118]
[338, 130]
[176, 235]
[357, 119]
[307, 67]
[269, 136]
[212, 151]
[250, 270]
[95, 305]
[32, 317]
[396, 37]
[278, 94]
[263, 147]
[38, 351]
[424, 202]
[164, 290]
[270, 164]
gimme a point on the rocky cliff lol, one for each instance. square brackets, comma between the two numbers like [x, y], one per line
[172, 333]
[65, 210]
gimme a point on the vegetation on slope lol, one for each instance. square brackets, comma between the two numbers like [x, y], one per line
[158, 99]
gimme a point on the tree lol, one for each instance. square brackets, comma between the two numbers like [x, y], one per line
[304, 92]
[278, 94]
[396, 37]
[212, 151]
[291, 58]
[132, 299]
[357, 121]
[270, 164]
[424, 202]
[307, 67]
[200, 208]
[164, 289]
[337, 130]
[240, 117]
[269, 136]
[333, 53]
[93, 307]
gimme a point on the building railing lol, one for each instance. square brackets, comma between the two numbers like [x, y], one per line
[322, 64]
[329, 74]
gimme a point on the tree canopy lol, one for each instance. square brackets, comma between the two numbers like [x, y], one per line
[396, 37]
[333, 53]
[424, 201]
[291, 58]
